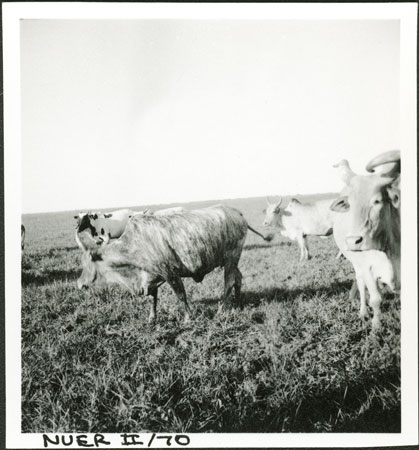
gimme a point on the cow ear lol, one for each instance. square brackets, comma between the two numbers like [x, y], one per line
[394, 195]
[340, 204]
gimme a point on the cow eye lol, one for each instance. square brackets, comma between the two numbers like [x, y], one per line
[377, 201]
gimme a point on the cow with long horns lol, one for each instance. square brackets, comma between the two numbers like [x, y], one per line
[166, 248]
[298, 220]
[370, 220]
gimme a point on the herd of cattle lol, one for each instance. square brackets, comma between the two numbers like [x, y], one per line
[142, 250]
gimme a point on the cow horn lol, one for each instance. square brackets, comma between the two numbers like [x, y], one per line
[346, 173]
[392, 156]
[279, 202]
[342, 162]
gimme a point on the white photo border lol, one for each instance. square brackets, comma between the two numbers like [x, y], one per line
[406, 13]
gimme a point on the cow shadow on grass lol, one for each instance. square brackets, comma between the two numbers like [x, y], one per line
[58, 251]
[284, 294]
[268, 245]
[49, 276]
[315, 411]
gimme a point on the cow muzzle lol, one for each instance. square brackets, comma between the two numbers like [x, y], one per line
[354, 243]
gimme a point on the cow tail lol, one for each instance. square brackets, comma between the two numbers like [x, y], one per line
[267, 238]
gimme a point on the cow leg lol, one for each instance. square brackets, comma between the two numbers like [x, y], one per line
[238, 286]
[229, 281]
[353, 291]
[153, 309]
[306, 250]
[375, 301]
[179, 289]
[363, 301]
[302, 245]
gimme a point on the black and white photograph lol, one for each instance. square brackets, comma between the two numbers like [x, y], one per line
[213, 247]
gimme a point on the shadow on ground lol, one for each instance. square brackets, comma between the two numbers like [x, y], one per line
[282, 294]
[48, 277]
[317, 412]
[267, 245]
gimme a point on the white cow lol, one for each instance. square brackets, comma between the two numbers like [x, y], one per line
[368, 219]
[104, 226]
[167, 211]
[298, 220]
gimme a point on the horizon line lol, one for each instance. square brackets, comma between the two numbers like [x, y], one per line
[147, 205]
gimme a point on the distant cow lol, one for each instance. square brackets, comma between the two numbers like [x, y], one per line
[103, 226]
[298, 220]
[161, 212]
[370, 220]
[22, 236]
[165, 248]
[166, 211]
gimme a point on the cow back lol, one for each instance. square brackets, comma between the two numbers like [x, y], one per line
[182, 243]
[313, 218]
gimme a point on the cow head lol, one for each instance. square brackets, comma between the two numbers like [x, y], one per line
[90, 260]
[272, 213]
[84, 222]
[372, 206]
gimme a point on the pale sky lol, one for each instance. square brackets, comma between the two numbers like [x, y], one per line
[134, 112]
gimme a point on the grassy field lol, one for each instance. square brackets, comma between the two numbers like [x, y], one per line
[296, 358]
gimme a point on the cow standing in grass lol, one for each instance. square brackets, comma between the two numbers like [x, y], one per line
[298, 220]
[166, 248]
[369, 219]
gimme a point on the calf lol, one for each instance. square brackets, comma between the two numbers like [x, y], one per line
[373, 269]
[166, 248]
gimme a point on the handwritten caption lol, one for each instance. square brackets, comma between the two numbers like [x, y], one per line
[126, 439]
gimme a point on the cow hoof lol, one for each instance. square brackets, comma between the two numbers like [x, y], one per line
[363, 315]
[152, 320]
[375, 325]
[187, 319]
[224, 307]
